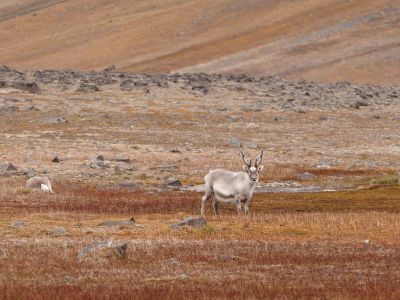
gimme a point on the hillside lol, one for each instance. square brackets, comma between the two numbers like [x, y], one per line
[331, 40]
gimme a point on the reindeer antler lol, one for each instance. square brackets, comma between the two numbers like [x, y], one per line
[259, 158]
[244, 159]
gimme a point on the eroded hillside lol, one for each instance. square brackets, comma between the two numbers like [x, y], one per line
[331, 40]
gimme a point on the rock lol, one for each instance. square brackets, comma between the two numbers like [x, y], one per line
[110, 68]
[9, 167]
[279, 119]
[122, 157]
[100, 157]
[119, 248]
[129, 185]
[29, 86]
[165, 168]
[196, 222]
[172, 181]
[87, 88]
[122, 166]
[18, 224]
[130, 222]
[100, 164]
[55, 159]
[251, 108]
[56, 231]
[234, 142]
[55, 120]
[359, 104]
[175, 151]
[306, 176]
[323, 165]
[250, 145]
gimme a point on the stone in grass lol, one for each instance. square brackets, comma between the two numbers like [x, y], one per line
[18, 224]
[196, 222]
[130, 222]
[56, 231]
[119, 248]
[55, 159]
[9, 167]
[306, 176]
[123, 166]
[100, 157]
[172, 181]
[122, 158]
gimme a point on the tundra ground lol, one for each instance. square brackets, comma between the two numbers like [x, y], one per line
[120, 137]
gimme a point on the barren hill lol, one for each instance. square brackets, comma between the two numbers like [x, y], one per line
[332, 40]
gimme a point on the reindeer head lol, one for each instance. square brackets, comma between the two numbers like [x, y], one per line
[249, 169]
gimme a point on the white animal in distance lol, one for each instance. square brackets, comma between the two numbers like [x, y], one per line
[232, 187]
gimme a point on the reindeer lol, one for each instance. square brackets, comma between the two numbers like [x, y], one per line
[232, 187]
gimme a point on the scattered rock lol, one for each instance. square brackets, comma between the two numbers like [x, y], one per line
[119, 248]
[55, 120]
[100, 157]
[306, 176]
[122, 158]
[196, 222]
[99, 164]
[359, 104]
[251, 108]
[323, 165]
[55, 159]
[29, 86]
[234, 142]
[87, 88]
[9, 167]
[165, 168]
[122, 166]
[129, 185]
[172, 181]
[110, 68]
[130, 222]
[18, 224]
[250, 145]
[56, 231]
[175, 151]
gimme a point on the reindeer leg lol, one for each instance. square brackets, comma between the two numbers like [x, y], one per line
[238, 206]
[246, 207]
[216, 206]
[206, 196]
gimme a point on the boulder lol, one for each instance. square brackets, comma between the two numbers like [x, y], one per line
[172, 181]
[118, 248]
[196, 222]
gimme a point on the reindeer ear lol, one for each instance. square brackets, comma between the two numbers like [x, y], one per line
[245, 167]
[260, 168]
